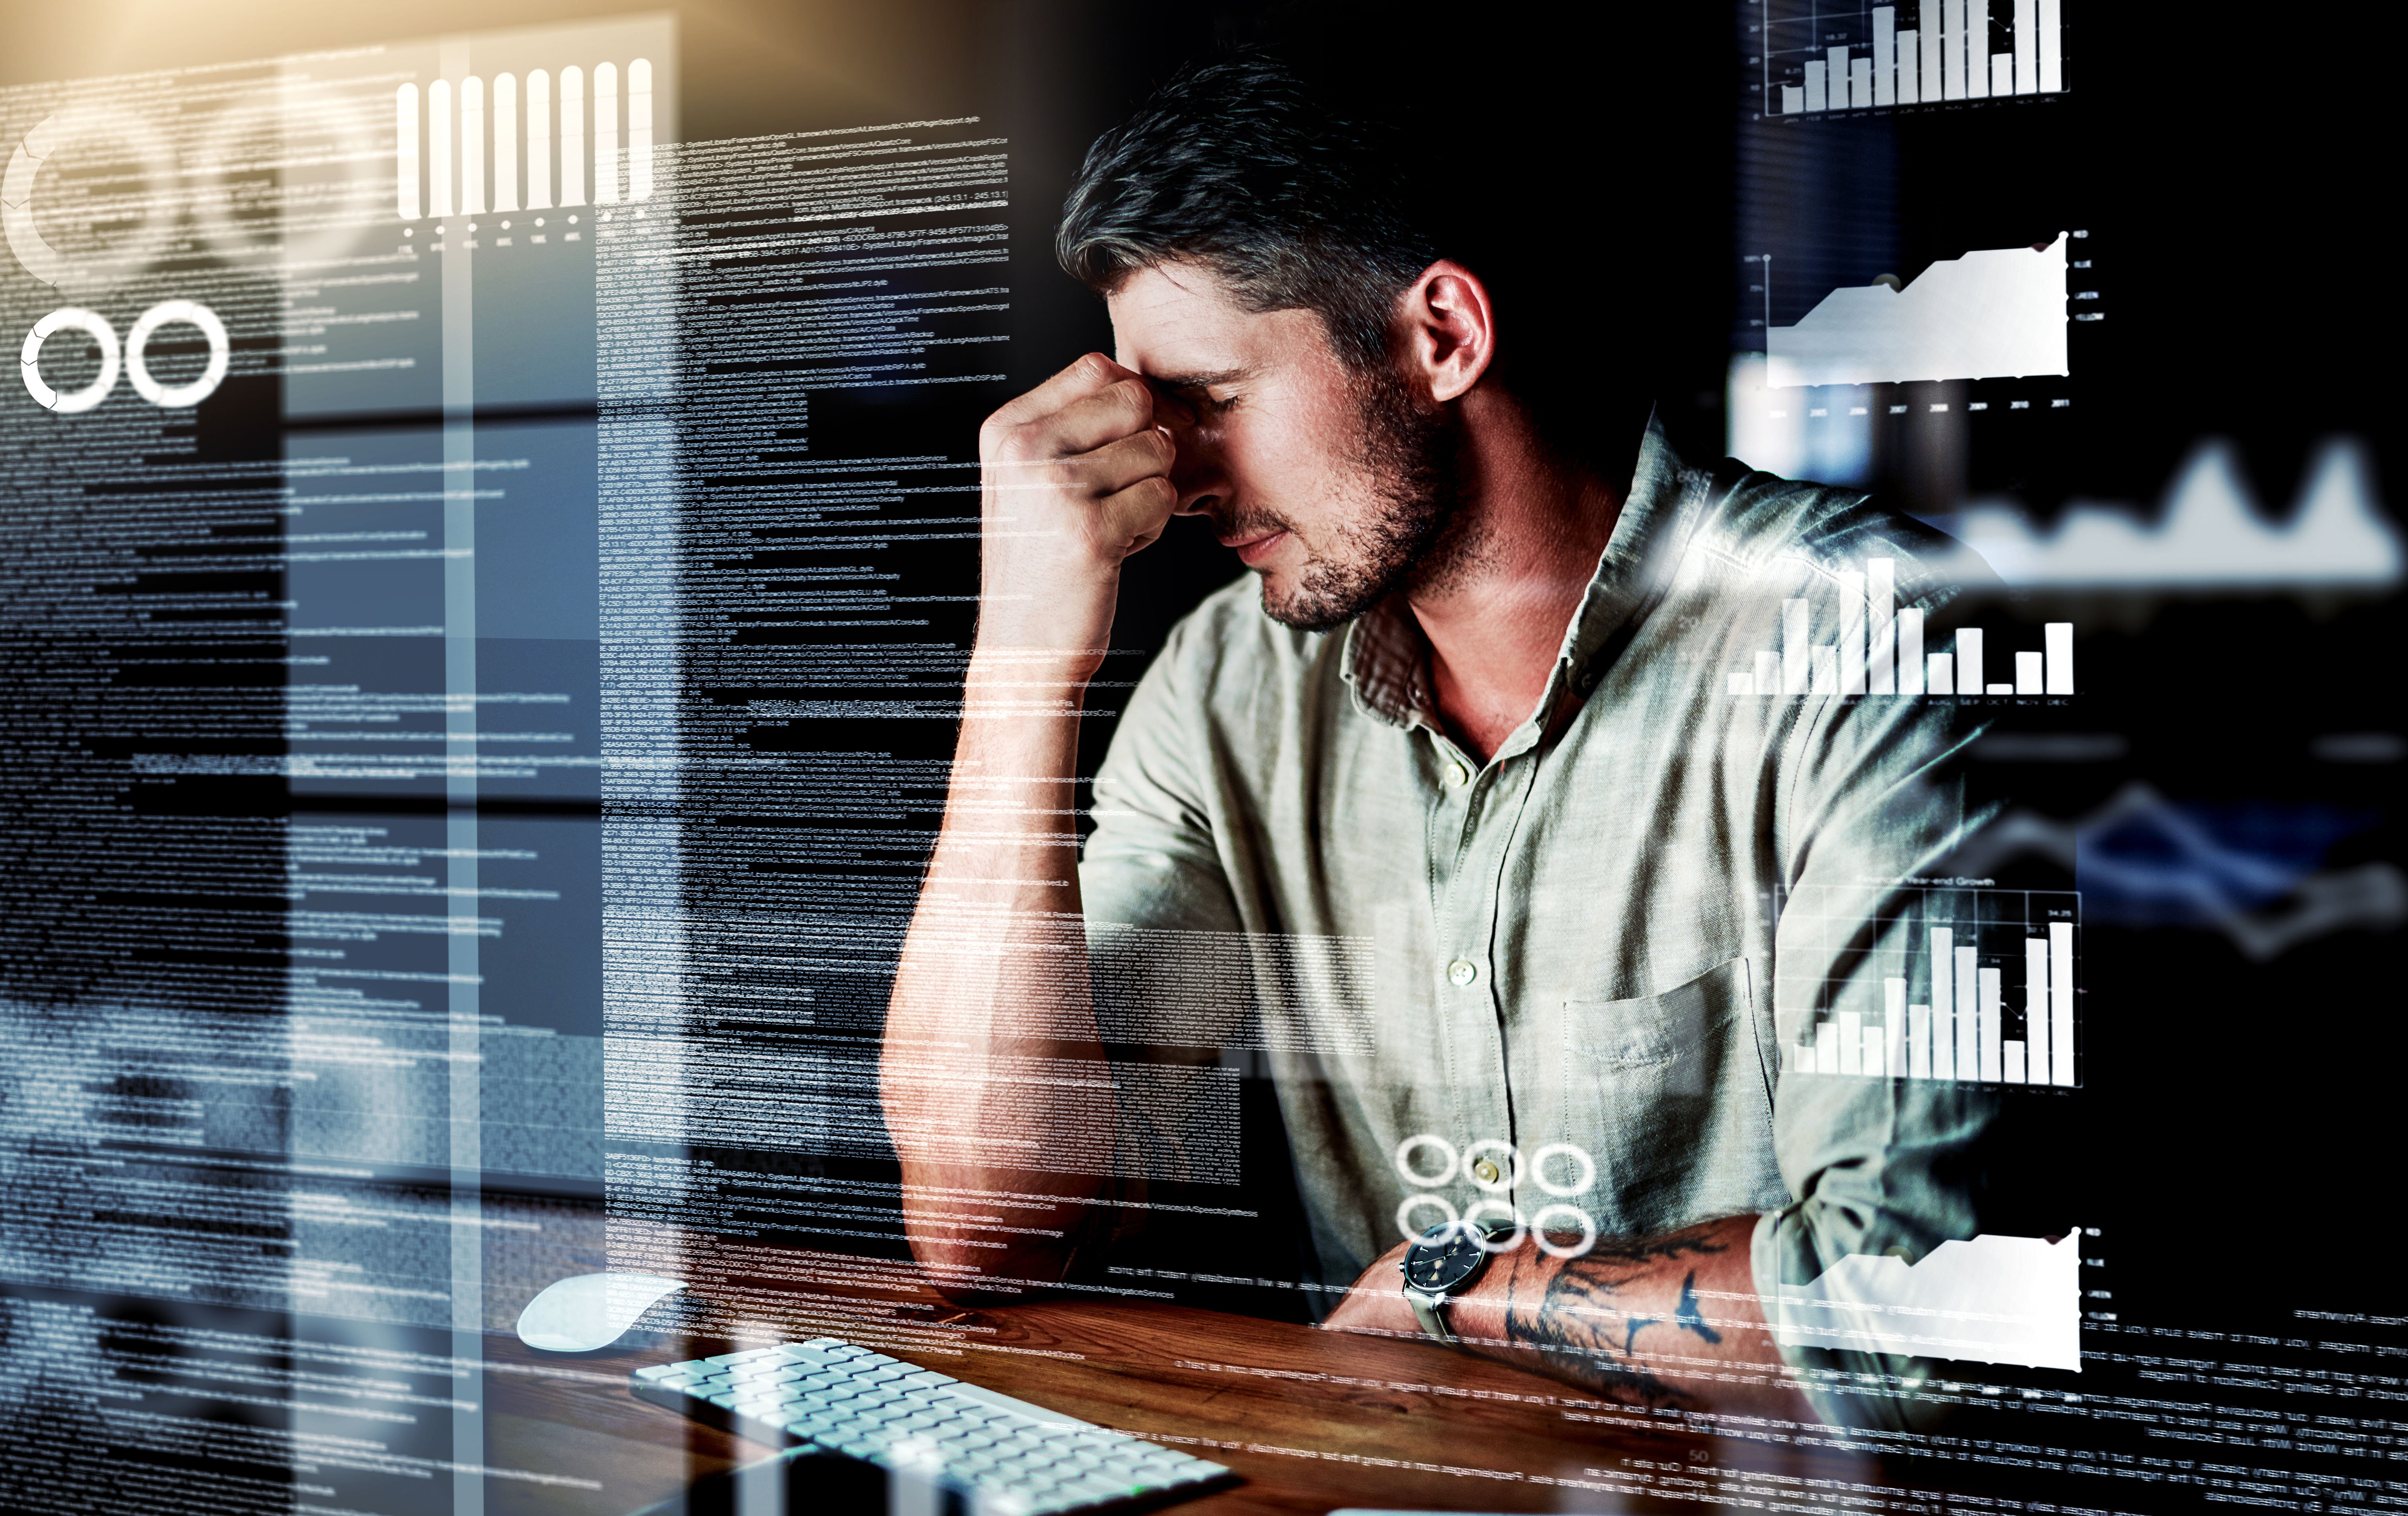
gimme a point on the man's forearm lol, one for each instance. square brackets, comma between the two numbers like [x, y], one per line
[1668, 1321]
[992, 985]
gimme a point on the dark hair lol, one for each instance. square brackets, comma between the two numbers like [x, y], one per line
[1313, 187]
[1239, 166]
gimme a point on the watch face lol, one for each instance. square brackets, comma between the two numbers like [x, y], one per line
[1445, 1256]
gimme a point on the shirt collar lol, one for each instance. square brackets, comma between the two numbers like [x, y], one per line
[1386, 661]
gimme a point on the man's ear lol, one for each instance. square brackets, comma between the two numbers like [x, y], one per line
[1449, 328]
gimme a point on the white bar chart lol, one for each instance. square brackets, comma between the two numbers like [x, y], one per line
[474, 135]
[1875, 647]
[1906, 52]
[1977, 986]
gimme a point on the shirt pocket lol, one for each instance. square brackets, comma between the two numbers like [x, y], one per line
[1668, 1092]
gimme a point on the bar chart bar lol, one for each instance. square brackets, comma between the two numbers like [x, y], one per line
[1940, 672]
[1910, 650]
[1992, 1010]
[2002, 73]
[1963, 984]
[1951, 50]
[2052, 49]
[538, 148]
[1860, 83]
[2036, 1006]
[2029, 679]
[1943, 1017]
[506, 142]
[2057, 640]
[1880, 591]
[1793, 99]
[1885, 54]
[2026, 47]
[472, 146]
[1930, 38]
[1795, 658]
[1873, 1063]
[639, 129]
[1827, 1049]
[1909, 81]
[1894, 1025]
[2061, 1002]
[1977, 49]
[2012, 1052]
[1968, 661]
[405, 151]
[1827, 670]
[1851, 632]
[1814, 96]
[1918, 1049]
[438, 149]
[572, 136]
[606, 134]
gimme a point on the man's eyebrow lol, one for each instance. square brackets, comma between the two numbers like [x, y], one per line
[1195, 382]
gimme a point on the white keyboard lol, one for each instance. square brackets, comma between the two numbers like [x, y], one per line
[996, 1455]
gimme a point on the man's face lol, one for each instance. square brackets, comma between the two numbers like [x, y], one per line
[1336, 487]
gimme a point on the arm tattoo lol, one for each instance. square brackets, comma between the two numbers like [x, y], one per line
[1573, 1327]
[1688, 1315]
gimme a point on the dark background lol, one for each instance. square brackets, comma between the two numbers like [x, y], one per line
[2235, 1135]
[2233, 178]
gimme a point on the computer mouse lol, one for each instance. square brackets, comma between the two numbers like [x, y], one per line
[587, 1312]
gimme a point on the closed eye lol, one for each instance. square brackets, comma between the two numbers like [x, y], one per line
[1194, 391]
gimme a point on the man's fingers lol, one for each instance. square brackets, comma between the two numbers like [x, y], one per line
[1116, 465]
[1121, 408]
[1133, 518]
[1088, 374]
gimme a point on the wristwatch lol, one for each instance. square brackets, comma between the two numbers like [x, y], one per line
[1442, 1265]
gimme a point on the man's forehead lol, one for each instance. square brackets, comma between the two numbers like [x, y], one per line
[1178, 320]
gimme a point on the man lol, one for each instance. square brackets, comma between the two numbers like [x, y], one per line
[1472, 708]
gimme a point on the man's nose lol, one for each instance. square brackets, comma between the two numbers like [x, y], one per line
[1195, 470]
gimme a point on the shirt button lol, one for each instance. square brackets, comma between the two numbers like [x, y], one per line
[1462, 971]
[1457, 775]
[1485, 1171]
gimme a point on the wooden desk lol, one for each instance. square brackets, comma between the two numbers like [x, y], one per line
[1312, 1420]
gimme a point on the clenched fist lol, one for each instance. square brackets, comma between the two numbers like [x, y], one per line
[1075, 476]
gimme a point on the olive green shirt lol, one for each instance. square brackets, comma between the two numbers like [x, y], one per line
[1571, 962]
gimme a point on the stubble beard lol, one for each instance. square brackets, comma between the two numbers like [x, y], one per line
[1417, 538]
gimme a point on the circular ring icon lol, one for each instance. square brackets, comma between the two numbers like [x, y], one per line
[50, 136]
[175, 397]
[1405, 1158]
[1405, 1214]
[1581, 1219]
[1587, 1168]
[318, 140]
[100, 332]
[1512, 1239]
[1512, 1174]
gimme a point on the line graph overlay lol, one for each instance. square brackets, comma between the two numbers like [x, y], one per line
[1994, 313]
[1992, 1300]
[2211, 533]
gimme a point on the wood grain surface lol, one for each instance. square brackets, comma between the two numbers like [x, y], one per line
[1312, 1420]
